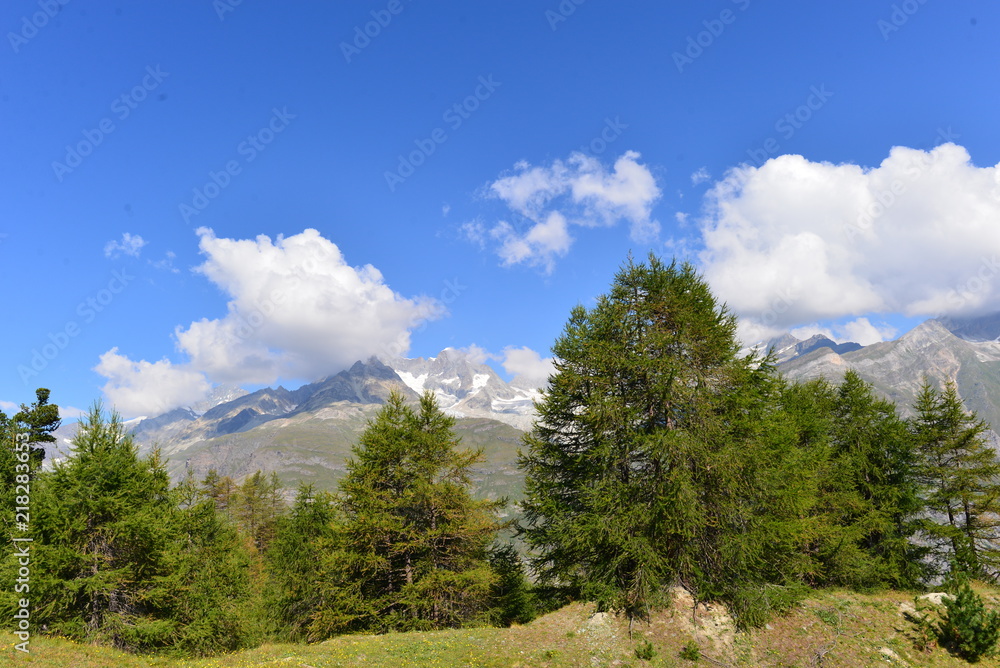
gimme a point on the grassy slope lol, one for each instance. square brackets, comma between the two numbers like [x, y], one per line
[831, 629]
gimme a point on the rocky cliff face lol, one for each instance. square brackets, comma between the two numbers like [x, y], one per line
[897, 368]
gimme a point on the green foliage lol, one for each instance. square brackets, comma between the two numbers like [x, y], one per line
[101, 527]
[293, 562]
[207, 594]
[513, 602]
[658, 456]
[410, 548]
[870, 493]
[690, 651]
[127, 560]
[925, 628]
[960, 477]
[645, 651]
[968, 628]
[256, 506]
[22, 440]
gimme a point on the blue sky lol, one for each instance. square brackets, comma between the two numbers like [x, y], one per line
[210, 192]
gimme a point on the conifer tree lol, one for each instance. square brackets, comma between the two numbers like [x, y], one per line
[656, 457]
[22, 440]
[410, 549]
[871, 491]
[960, 475]
[102, 526]
[206, 596]
[256, 506]
[293, 562]
[513, 602]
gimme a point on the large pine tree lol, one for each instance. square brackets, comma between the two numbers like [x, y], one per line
[410, 549]
[294, 563]
[102, 526]
[960, 476]
[657, 458]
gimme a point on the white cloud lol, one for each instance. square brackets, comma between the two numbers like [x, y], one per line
[796, 241]
[148, 388]
[296, 310]
[477, 354]
[528, 367]
[9, 406]
[860, 330]
[475, 232]
[131, 244]
[167, 263]
[578, 191]
[700, 176]
[445, 209]
[72, 412]
[540, 245]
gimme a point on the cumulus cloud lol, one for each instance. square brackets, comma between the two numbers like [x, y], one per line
[795, 241]
[148, 388]
[131, 244]
[528, 367]
[578, 191]
[296, 310]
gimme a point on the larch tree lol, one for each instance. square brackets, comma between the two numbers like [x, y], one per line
[410, 546]
[657, 451]
[102, 525]
[960, 476]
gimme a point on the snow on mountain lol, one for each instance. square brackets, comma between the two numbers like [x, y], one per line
[465, 388]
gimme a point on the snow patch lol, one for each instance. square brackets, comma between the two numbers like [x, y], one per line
[479, 380]
[415, 383]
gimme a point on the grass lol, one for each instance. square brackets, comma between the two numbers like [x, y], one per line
[831, 629]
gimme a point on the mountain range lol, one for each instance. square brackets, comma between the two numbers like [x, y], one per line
[306, 434]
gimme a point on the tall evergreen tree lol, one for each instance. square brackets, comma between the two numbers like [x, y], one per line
[654, 456]
[294, 562]
[871, 492]
[960, 474]
[410, 551]
[23, 437]
[256, 505]
[206, 598]
[101, 528]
